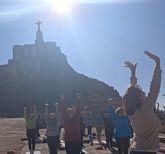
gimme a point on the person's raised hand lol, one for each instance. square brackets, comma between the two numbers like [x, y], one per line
[56, 104]
[46, 104]
[152, 56]
[62, 97]
[131, 66]
[78, 96]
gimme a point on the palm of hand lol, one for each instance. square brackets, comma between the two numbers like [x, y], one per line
[131, 66]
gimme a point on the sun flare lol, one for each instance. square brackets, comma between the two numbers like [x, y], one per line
[62, 7]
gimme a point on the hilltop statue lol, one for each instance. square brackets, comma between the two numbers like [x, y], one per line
[39, 36]
[39, 23]
[39, 73]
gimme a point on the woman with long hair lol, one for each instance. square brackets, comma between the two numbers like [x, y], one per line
[139, 108]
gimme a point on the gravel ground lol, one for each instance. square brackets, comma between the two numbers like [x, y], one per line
[12, 130]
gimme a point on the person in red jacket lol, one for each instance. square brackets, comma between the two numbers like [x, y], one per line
[71, 121]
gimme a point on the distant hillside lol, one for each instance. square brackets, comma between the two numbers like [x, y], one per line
[39, 73]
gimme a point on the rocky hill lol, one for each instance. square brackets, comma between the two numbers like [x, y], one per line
[39, 73]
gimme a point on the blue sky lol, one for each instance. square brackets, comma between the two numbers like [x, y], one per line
[97, 36]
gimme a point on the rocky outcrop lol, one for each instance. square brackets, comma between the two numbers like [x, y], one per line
[39, 73]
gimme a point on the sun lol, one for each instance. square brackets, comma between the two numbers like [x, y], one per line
[62, 7]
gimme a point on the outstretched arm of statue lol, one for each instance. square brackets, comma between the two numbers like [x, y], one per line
[132, 67]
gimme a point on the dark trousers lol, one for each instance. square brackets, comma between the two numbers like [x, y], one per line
[109, 135]
[82, 142]
[82, 133]
[53, 144]
[73, 147]
[141, 152]
[123, 144]
[89, 128]
[31, 135]
[37, 132]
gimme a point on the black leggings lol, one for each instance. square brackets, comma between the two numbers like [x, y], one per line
[123, 144]
[82, 133]
[53, 144]
[89, 130]
[37, 132]
[31, 135]
[109, 135]
[73, 147]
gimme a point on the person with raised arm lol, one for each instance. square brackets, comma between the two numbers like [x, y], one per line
[30, 118]
[52, 128]
[139, 109]
[71, 118]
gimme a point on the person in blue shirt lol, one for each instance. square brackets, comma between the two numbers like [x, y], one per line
[123, 131]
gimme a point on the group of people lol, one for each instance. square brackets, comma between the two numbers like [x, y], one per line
[135, 117]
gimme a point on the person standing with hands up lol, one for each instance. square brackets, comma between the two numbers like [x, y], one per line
[30, 118]
[52, 128]
[71, 116]
[139, 109]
